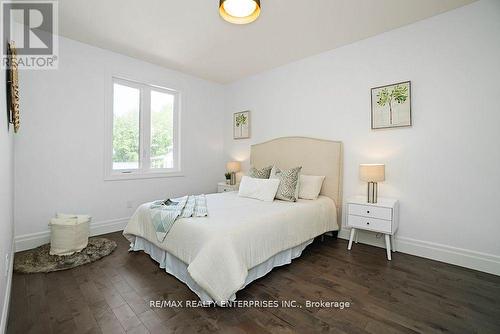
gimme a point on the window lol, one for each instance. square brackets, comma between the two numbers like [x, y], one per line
[143, 140]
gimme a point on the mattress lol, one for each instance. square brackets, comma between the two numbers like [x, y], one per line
[238, 235]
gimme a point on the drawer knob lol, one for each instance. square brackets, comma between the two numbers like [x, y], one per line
[367, 211]
[367, 223]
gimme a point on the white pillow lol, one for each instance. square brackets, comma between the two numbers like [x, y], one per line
[310, 186]
[261, 189]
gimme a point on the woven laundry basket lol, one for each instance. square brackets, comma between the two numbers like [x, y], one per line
[68, 233]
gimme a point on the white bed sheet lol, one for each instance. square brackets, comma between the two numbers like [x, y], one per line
[238, 234]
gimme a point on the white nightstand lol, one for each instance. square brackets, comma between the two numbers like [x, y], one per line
[222, 187]
[381, 217]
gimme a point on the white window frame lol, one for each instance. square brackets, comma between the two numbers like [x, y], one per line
[144, 171]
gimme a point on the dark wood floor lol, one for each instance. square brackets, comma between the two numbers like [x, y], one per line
[406, 295]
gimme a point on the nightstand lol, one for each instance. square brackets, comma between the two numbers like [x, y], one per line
[381, 217]
[222, 187]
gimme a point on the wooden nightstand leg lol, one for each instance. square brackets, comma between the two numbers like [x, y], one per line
[388, 246]
[393, 243]
[351, 238]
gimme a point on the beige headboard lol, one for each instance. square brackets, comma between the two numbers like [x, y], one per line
[316, 156]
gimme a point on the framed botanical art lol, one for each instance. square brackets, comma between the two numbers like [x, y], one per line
[241, 125]
[391, 106]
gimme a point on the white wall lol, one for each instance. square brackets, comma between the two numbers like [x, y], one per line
[60, 149]
[444, 169]
[6, 204]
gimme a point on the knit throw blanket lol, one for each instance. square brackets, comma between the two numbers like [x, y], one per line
[164, 213]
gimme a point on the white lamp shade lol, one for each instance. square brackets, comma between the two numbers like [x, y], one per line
[372, 172]
[233, 166]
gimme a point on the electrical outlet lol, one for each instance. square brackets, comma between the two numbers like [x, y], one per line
[129, 204]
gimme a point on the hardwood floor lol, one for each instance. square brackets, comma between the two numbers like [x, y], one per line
[407, 295]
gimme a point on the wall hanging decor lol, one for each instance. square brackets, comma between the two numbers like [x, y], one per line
[391, 106]
[7, 98]
[241, 125]
[12, 87]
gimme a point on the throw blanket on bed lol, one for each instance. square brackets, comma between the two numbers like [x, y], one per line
[165, 213]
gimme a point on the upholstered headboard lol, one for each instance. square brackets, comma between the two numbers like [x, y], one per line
[316, 156]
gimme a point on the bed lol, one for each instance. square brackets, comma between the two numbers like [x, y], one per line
[243, 239]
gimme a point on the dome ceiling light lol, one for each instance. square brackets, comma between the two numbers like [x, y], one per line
[239, 11]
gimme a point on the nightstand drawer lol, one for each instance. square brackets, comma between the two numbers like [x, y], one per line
[370, 211]
[378, 225]
[224, 189]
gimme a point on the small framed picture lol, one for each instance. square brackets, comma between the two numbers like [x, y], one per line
[391, 106]
[241, 125]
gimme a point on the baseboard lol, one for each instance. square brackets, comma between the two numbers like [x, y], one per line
[6, 301]
[488, 263]
[32, 240]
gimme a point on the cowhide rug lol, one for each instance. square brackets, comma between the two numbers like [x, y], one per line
[39, 260]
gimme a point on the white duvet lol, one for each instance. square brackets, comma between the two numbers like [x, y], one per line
[238, 234]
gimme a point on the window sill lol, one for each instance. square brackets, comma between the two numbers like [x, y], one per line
[139, 176]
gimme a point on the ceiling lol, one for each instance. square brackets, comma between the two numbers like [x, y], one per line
[189, 35]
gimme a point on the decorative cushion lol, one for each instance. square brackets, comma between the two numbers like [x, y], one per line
[289, 183]
[310, 186]
[261, 189]
[263, 173]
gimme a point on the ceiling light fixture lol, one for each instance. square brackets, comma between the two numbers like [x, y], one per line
[239, 11]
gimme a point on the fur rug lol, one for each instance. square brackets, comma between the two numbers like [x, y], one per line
[38, 260]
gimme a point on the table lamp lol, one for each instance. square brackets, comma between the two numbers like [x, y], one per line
[233, 167]
[372, 173]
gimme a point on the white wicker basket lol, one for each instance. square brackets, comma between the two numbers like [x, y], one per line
[68, 234]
